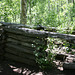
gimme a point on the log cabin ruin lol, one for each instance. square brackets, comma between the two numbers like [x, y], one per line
[19, 42]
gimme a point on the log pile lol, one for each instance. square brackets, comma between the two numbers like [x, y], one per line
[21, 44]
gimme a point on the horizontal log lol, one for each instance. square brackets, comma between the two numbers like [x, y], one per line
[69, 65]
[61, 36]
[20, 59]
[20, 53]
[30, 45]
[26, 39]
[25, 54]
[27, 32]
[37, 27]
[42, 34]
[20, 48]
[40, 27]
[15, 25]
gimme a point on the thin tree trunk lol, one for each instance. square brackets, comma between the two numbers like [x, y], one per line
[49, 5]
[23, 17]
[72, 15]
[30, 11]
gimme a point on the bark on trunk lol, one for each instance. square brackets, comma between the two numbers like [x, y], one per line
[23, 18]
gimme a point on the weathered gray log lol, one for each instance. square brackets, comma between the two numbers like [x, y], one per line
[41, 34]
[61, 36]
[20, 53]
[13, 24]
[69, 65]
[20, 59]
[20, 48]
[38, 27]
[26, 39]
[27, 32]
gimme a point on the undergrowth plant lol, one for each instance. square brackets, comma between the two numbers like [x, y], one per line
[44, 58]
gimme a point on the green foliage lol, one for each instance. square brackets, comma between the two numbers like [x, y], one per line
[44, 58]
[53, 13]
[10, 9]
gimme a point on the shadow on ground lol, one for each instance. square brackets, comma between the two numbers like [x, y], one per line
[14, 68]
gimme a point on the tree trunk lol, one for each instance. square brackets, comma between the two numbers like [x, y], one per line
[30, 11]
[23, 17]
[49, 5]
[72, 15]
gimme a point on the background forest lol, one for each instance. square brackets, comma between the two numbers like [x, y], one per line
[52, 13]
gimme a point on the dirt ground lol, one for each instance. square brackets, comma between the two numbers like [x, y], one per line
[14, 68]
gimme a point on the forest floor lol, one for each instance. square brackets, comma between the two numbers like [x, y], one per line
[14, 68]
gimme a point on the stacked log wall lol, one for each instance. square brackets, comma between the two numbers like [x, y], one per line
[21, 43]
